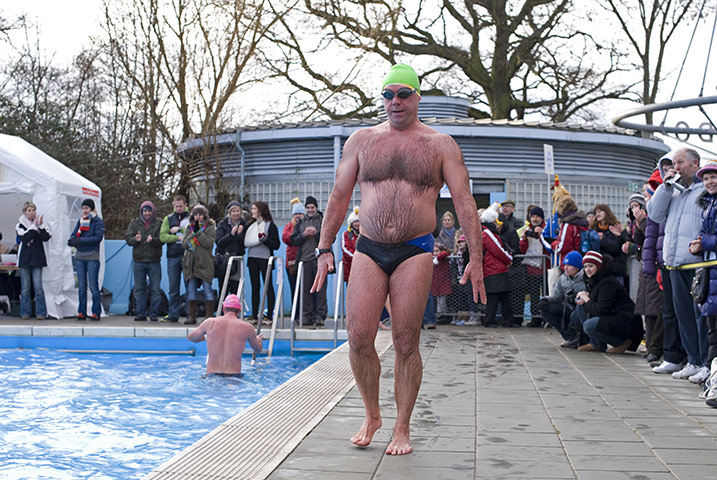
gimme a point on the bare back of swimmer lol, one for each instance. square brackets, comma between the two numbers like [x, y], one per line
[226, 338]
[400, 166]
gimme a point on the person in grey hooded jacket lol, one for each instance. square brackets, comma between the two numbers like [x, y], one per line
[675, 203]
[558, 306]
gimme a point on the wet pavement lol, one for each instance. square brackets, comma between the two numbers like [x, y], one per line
[510, 403]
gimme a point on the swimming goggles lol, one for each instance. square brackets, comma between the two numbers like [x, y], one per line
[403, 93]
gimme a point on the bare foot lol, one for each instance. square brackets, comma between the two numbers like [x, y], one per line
[365, 434]
[400, 445]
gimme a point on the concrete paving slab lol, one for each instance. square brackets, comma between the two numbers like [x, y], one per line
[294, 474]
[514, 468]
[617, 463]
[393, 472]
[628, 475]
[607, 448]
[443, 444]
[694, 472]
[689, 456]
[519, 439]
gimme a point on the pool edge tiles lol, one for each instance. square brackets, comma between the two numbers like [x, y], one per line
[253, 443]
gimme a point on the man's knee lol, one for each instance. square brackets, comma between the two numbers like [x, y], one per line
[405, 343]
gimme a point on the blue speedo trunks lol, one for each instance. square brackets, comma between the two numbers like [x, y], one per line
[389, 256]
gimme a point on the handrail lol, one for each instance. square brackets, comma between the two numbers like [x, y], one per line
[298, 299]
[278, 304]
[264, 291]
[225, 285]
[337, 302]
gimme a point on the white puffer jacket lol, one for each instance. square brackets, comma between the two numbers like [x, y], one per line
[684, 219]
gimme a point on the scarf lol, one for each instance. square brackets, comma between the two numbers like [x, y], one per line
[85, 223]
[194, 243]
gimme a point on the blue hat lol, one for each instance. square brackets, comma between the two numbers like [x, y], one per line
[574, 259]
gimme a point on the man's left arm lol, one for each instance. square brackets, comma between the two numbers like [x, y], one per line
[455, 174]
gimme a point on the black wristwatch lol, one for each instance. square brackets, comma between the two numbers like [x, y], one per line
[320, 251]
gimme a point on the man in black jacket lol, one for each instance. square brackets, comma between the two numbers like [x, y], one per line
[306, 236]
[143, 236]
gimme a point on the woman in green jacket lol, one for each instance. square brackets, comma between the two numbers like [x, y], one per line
[198, 263]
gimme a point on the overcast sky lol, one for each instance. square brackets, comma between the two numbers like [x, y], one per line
[67, 26]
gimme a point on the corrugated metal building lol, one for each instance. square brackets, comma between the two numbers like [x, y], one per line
[275, 163]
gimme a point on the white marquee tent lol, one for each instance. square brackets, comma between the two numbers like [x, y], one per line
[27, 173]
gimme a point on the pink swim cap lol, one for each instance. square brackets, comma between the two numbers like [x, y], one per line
[232, 301]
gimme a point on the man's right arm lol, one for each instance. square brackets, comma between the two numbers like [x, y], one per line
[346, 176]
[197, 335]
[130, 234]
[165, 236]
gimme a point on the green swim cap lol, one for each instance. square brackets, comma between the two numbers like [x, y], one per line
[403, 74]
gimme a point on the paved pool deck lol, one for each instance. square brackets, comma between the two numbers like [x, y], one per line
[510, 403]
[493, 404]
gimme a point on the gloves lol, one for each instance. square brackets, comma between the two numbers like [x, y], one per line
[73, 242]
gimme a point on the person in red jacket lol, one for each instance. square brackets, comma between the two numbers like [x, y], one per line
[496, 261]
[297, 213]
[348, 241]
[572, 221]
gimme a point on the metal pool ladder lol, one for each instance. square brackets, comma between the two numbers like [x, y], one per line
[298, 303]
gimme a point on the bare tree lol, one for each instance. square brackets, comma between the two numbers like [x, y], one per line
[658, 22]
[186, 60]
[495, 51]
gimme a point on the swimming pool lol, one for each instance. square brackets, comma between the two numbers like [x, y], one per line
[116, 416]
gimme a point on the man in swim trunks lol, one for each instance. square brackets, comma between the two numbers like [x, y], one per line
[226, 338]
[400, 165]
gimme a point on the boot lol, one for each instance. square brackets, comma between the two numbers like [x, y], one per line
[191, 312]
[210, 307]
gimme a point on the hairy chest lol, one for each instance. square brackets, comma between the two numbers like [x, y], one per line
[416, 161]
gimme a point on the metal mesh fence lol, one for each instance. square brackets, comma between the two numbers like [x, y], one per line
[453, 302]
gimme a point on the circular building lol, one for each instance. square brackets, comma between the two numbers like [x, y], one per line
[505, 159]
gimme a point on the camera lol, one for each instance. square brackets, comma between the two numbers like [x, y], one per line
[571, 298]
[674, 182]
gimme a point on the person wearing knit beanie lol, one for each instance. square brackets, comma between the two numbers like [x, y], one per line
[537, 211]
[143, 235]
[311, 201]
[88, 202]
[593, 257]
[298, 208]
[607, 311]
[574, 259]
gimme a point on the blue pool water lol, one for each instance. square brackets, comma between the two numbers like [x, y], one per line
[114, 416]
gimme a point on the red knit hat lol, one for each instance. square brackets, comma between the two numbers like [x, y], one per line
[593, 257]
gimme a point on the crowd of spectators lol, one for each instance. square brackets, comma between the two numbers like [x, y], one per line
[568, 271]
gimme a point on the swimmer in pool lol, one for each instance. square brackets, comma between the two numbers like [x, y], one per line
[226, 338]
[400, 165]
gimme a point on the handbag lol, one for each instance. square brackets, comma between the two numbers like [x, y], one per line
[700, 285]
[553, 275]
